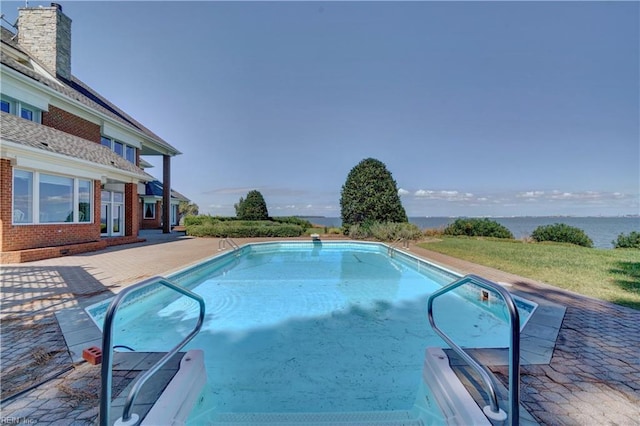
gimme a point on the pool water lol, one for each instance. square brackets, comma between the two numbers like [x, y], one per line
[312, 327]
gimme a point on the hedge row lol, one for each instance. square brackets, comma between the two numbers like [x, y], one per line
[241, 229]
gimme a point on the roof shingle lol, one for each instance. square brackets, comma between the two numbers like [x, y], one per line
[27, 133]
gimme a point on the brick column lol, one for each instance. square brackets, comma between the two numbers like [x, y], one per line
[132, 209]
[6, 184]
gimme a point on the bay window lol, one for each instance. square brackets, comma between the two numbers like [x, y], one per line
[47, 198]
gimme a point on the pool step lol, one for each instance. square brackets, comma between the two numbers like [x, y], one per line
[364, 418]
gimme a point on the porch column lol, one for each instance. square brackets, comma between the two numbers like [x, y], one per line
[166, 194]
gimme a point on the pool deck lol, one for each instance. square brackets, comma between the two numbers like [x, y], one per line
[590, 374]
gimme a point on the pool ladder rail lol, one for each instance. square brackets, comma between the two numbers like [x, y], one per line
[493, 410]
[128, 418]
[394, 246]
[222, 244]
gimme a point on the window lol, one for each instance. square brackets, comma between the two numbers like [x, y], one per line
[84, 200]
[56, 199]
[22, 196]
[118, 148]
[25, 111]
[122, 149]
[150, 210]
[45, 198]
[130, 154]
[105, 141]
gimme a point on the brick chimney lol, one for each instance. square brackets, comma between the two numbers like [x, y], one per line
[46, 33]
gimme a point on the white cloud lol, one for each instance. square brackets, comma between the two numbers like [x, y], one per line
[443, 195]
[402, 192]
[530, 194]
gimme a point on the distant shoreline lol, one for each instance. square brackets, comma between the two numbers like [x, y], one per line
[488, 217]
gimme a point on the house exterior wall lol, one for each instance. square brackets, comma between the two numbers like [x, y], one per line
[155, 223]
[65, 121]
[23, 237]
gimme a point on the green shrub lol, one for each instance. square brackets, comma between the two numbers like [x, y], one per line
[627, 241]
[198, 220]
[561, 233]
[358, 231]
[385, 231]
[476, 227]
[244, 229]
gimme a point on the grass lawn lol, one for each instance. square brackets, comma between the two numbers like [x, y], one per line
[612, 275]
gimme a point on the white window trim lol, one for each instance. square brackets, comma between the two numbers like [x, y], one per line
[112, 144]
[144, 210]
[16, 106]
[35, 201]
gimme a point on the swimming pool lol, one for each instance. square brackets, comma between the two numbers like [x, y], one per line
[311, 326]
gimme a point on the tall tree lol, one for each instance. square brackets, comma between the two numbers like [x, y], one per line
[185, 208]
[253, 207]
[370, 194]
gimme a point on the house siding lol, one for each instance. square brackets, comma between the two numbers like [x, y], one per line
[66, 122]
[155, 223]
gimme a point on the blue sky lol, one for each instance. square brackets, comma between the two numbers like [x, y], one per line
[476, 108]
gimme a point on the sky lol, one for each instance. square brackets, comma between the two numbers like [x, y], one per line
[476, 108]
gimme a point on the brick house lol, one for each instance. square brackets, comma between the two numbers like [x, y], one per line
[71, 176]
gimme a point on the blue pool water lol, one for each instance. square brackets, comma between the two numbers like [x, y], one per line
[311, 327]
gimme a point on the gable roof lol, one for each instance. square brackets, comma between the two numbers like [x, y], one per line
[33, 135]
[76, 90]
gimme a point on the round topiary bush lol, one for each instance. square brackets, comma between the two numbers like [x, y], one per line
[561, 233]
[476, 227]
[369, 195]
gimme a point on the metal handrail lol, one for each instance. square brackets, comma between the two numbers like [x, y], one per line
[107, 350]
[514, 346]
[222, 244]
[394, 245]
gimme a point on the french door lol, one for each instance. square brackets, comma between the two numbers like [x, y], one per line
[112, 214]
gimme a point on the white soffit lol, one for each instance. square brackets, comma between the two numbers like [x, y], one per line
[122, 136]
[21, 92]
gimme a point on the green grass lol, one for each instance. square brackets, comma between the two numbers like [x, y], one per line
[612, 275]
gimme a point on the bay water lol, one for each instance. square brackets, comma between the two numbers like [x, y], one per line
[602, 230]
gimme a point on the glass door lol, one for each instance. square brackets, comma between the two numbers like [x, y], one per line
[112, 214]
